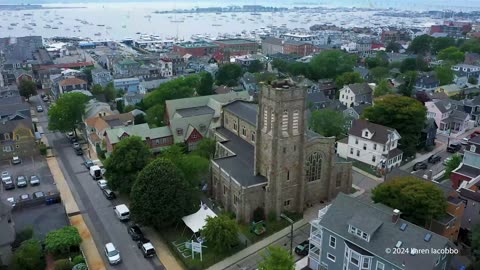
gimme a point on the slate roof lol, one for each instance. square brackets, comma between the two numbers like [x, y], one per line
[345, 208]
[469, 194]
[444, 105]
[458, 115]
[380, 133]
[241, 165]
[11, 109]
[142, 130]
[10, 125]
[273, 41]
[245, 110]
[468, 171]
[361, 107]
[200, 110]
[394, 152]
[360, 88]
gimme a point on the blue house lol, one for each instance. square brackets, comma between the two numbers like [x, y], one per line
[129, 85]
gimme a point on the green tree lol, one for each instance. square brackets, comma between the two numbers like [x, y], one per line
[410, 78]
[405, 114]
[442, 43]
[120, 106]
[128, 158]
[206, 84]
[63, 264]
[256, 66]
[379, 73]
[452, 164]
[409, 64]
[328, 122]
[161, 196]
[97, 89]
[473, 80]
[330, 64]
[29, 256]
[60, 241]
[452, 55]
[139, 119]
[193, 166]
[228, 74]
[110, 92]
[393, 47]
[88, 72]
[421, 44]
[382, 89]
[380, 60]
[155, 115]
[298, 68]
[128, 108]
[277, 258]
[181, 87]
[67, 112]
[419, 201]
[348, 78]
[475, 242]
[471, 45]
[221, 233]
[27, 89]
[206, 148]
[444, 74]
[280, 65]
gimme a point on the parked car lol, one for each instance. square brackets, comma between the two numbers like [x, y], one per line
[78, 151]
[21, 181]
[109, 194]
[434, 159]
[454, 147]
[420, 166]
[302, 248]
[8, 184]
[113, 255]
[12, 201]
[45, 98]
[146, 248]
[88, 163]
[465, 141]
[38, 194]
[24, 197]
[34, 180]
[5, 174]
[76, 145]
[16, 160]
[102, 183]
[135, 232]
[445, 161]
[39, 108]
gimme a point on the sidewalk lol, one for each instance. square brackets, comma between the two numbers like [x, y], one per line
[94, 260]
[441, 147]
[163, 251]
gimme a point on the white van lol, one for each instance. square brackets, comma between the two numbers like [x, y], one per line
[122, 212]
[96, 172]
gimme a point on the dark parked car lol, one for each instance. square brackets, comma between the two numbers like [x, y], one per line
[88, 163]
[109, 194]
[454, 147]
[420, 166]
[434, 159]
[21, 181]
[135, 232]
[78, 151]
[8, 184]
[302, 248]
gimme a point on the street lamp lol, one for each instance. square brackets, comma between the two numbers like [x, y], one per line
[291, 231]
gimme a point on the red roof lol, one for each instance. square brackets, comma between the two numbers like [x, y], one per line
[377, 45]
[67, 65]
[72, 81]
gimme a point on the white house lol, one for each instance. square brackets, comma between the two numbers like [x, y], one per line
[355, 94]
[371, 144]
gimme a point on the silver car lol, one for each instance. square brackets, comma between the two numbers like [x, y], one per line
[34, 180]
[113, 255]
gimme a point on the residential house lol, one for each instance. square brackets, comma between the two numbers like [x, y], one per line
[129, 85]
[372, 144]
[353, 234]
[17, 137]
[66, 85]
[191, 119]
[132, 98]
[245, 60]
[96, 126]
[166, 67]
[7, 232]
[13, 105]
[249, 83]
[472, 59]
[471, 107]
[364, 72]
[97, 108]
[354, 113]
[157, 139]
[449, 89]
[328, 87]
[399, 57]
[447, 117]
[470, 166]
[101, 76]
[125, 68]
[19, 51]
[466, 70]
[469, 193]
[355, 94]
[272, 45]
[428, 134]
[427, 82]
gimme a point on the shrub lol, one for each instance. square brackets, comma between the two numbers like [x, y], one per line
[43, 149]
[63, 264]
[78, 259]
[258, 214]
[272, 216]
[23, 235]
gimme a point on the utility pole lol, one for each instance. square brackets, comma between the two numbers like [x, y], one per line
[291, 231]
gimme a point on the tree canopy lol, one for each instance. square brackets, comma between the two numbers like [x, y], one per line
[205, 87]
[161, 196]
[380, 60]
[408, 64]
[155, 115]
[410, 78]
[192, 166]
[328, 122]
[452, 164]
[27, 89]
[277, 258]
[228, 74]
[405, 114]
[382, 89]
[379, 73]
[442, 43]
[419, 201]
[393, 47]
[221, 233]
[471, 45]
[29, 256]
[444, 74]
[128, 158]
[330, 64]
[60, 241]
[348, 78]
[452, 55]
[206, 148]
[256, 66]
[421, 44]
[181, 87]
[67, 112]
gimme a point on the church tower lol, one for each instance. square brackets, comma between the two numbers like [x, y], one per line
[280, 144]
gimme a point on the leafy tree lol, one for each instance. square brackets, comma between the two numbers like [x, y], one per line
[139, 119]
[471, 45]
[67, 112]
[328, 122]
[221, 233]
[452, 164]
[475, 240]
[60, 241]
[110, 92]
[277, 258]
[63, 264]
[421, 44]
[181, 87]
[382, 89]
[128, 108]
[27, 89]
[88, 72]
[128, 158]
[406, 89]
[155, 115]
[421, 64]
[161, 196]
[348, 78]
[380, 60]
[298, 68]
[419, 201]
[265, 76]
[379, 73]
[29, 256]
[23, 235]
[405, 114]
[444, 74]
[229, 74]
[451, 54]
[120, 106]
[409, 64]
[256, 66]
[97, 89]
[206, 148]
[206, 84]
[473, 80]
[330, 64]
[192, 166]
[442, 43]
[280, 65]
[393, 47]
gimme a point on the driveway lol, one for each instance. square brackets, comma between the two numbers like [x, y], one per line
[96, 209]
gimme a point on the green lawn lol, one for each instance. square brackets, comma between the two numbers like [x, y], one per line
[272, 227]
[365, 167]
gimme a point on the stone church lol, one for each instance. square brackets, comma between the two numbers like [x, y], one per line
[266, 156]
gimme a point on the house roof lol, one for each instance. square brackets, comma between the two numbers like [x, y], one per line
[245, 110]
[449, 88]
[361, 107]
[7, 126]
[394, 152]
[396, 173]
[200, 110]
[380, 133]
[457, 115]
[378, 218]
[94, 107]
[468, 171]
[444, 105]
[72, 81]
[360, 88]
[469, 194]
[273, 41]
[142, 130]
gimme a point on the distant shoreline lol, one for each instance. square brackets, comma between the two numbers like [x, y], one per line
[31, 7]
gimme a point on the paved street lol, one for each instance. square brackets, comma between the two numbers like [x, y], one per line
[96, 209]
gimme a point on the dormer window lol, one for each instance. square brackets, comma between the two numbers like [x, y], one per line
[366, 134]
[473, 148]
[359, 233]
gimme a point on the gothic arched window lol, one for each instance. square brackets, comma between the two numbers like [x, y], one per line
[313, 167]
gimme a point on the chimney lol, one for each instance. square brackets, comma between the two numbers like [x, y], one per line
[396, 215]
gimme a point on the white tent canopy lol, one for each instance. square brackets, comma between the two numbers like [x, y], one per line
[197, 221]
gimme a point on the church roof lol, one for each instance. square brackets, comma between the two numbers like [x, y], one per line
[245, 110]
